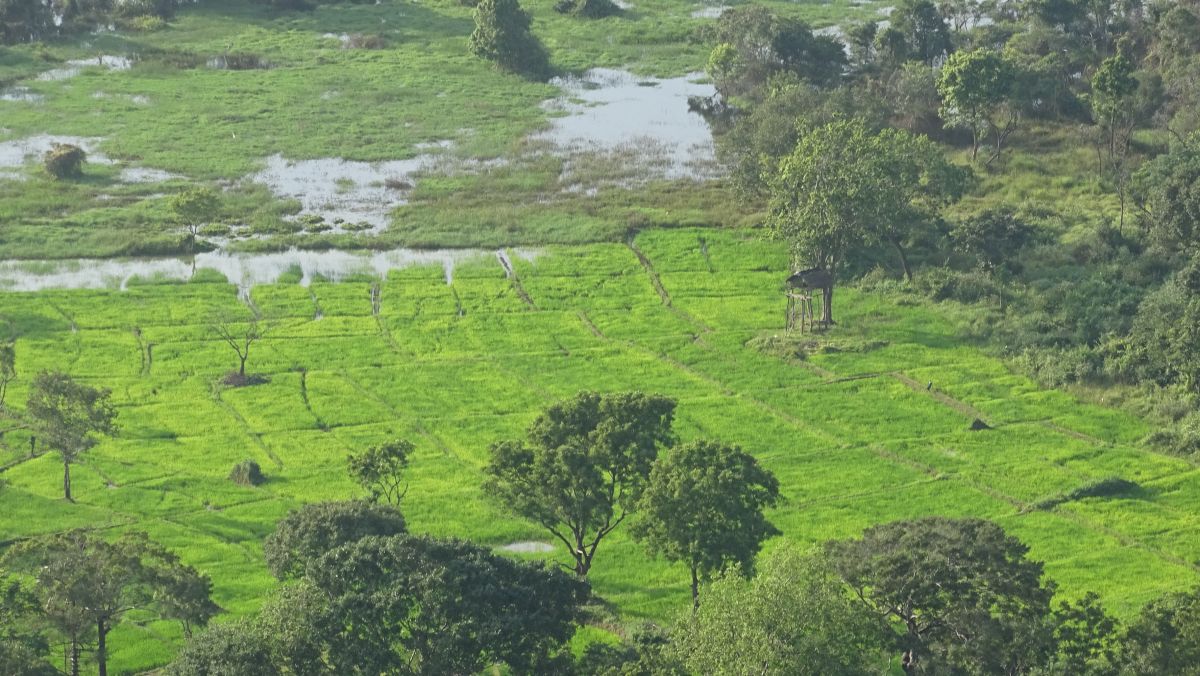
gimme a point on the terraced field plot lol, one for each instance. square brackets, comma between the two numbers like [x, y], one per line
[876, 431]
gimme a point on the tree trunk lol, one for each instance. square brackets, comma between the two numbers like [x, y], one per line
[73, 657]
[827, 306]
[67, 481]
[903, 259]
[695, 590]
[102, 647]
[242, 366]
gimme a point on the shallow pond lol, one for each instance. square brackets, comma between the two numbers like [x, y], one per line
[245, 270]
[607, 111]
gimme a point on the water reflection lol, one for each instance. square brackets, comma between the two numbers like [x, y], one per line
[245, 270]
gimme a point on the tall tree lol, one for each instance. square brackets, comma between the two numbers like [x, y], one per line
[845, 188]
[68, 415]
[961, 591]
[793, 618]
[977, 90]
[310, 531]
[754, 45]
[8, 368]
[704, 506]
[85, 585]
[380, 470]
[1164, 638]
[502, 35]
[25, 21]
[926, 35]
[582, 466]
[23, 644]
[193, 208]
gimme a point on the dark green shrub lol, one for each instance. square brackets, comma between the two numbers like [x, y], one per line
[247, 473]
[502, 35]
[591, 9]
[64, 161]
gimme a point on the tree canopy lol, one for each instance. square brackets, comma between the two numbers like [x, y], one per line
[961, 593]
[68, 415]
[846, 187]
[703, 506]
[582, 466]
[308, 532]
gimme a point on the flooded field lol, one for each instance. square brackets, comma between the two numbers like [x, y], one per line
[242, 269]
[613, 111]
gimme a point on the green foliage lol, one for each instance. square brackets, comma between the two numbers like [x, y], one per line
[583, 466]
[68, 415]
[754, 45]
[228, 649]
[25, 21]
[442, 606]
[310, 531]
[889, 185]
[921, 30]
[940, 580]
[1163, 345]
[1167, 190]
[502, 34]
[794, 617]
[23, 645]
[85, 586]
[247, 473]
[977, 90]
[703, 506]
[995, 238]
[194, 207]
[380, 470]
[8, 368]
[591, 9]
[64, 161]
[1164, 639]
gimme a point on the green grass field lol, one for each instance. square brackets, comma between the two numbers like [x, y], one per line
[852, 432]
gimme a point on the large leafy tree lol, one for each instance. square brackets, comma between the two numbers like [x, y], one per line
[978, 90]
[380, 470]
[961, 593]
[85, 586]
[25, 21]
[925, 34]
[845, 188]
[1167, 192]
[754, 45]
[793, 618]
[1164, 639]
[409, 604]
[582, 466]
[502, 35]
[310, 531]
[23, 644]
[68, 416]
[227, 649]
[703, 506]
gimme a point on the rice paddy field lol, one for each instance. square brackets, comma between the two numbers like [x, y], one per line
[873, 425]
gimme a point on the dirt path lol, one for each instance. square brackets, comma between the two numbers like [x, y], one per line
[924, 388]
[663, 295]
